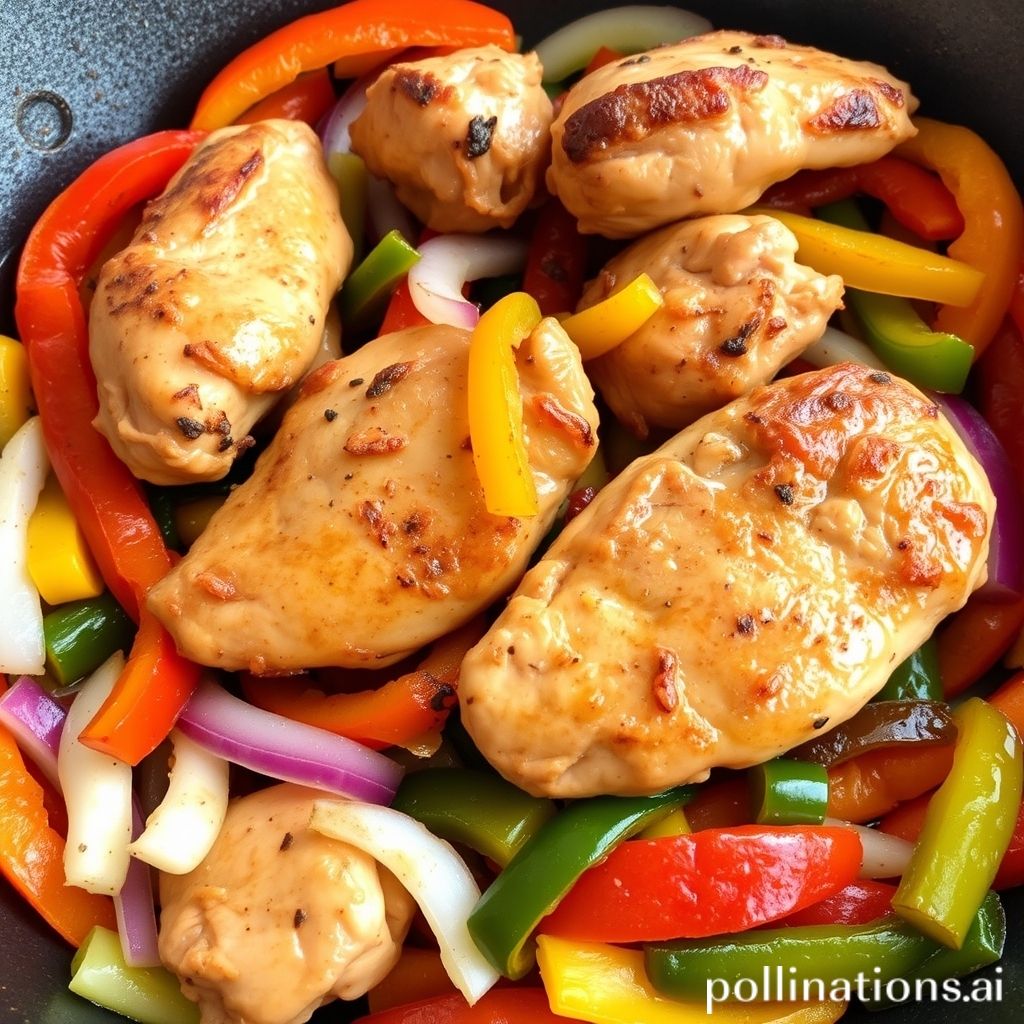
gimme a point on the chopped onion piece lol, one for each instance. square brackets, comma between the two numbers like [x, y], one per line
[835, 346]
[23, 468]
[429, 868]
[1006, 545]
[448, 262]
[98, 793]
[183, 828]
[384, 212]
[135, 909]
[627, 29]
[35, 720]
[286, 750]
[884, 856]
[334, 129]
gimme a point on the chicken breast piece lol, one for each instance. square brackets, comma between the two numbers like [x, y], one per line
[724, 599]
[279, 919]
[217, 306]
[707, 125]
[737, 308]
[464, 138]
[362, 534]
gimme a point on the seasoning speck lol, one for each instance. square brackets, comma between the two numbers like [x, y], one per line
[479, 135]
[287, 841]
[820, 723]
[189, 427]
[300, 918]
[355, 382]
[785, 493]
[330, 415]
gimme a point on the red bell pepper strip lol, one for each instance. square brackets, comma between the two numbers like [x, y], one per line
[708, 883]
[32, 854]
[917, 199]
[107, 500]
[556, 260]
[361, 27]
[999, 376]
[307, 99]
[499, 1006]
[604, 55]
[974, 639]
[861, 902]
[1017, 301]
[401, 312]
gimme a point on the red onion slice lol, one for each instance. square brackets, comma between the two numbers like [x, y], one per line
[35, 720]
[384, 212]
[135, 910]
[334, 129]
[287, 750]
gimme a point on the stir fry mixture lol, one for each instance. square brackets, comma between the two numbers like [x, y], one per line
[468, 511]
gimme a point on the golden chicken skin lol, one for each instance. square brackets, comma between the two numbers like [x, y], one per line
[217, 306]
[749, 584]
[464, 137]
[362, 534]
[278, 919]
[707, 125]
[737, 308]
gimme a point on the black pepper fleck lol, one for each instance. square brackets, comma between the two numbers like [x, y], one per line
[189, 427]
[785, 493]
[820, 723]
[355, 382]
[287, 841]
[300, 918]
[880, 378]
[734, 347]
[330, 415]
[479, 135]
[642, 59]
[745, 624]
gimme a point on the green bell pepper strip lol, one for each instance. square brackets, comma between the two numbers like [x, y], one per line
[967, 828]
[81, 635]
[151, 995]
[982, 946]
[917, 678]
[161, 504]
[478, 809]
[368, 286]
[351, 177]
[787, 792]
[900, 338]
[545, 869]
[466, 750]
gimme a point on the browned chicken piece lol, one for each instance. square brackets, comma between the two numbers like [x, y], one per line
[217, 306]
[737, 308]
[464, 138]
[726, 598]
[279, 919]
[362, 534]
[707, 125]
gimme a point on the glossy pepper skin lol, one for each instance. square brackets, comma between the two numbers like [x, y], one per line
[545, 869]
[967, 828]
[499, 1006]
[916, 678]
[861, 902]
[369, 286]
[15, 393]
[80, 636]
[598, 329]
[709, 883]
[789, 792]
[556, 260]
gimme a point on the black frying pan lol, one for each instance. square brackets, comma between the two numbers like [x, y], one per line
[76, 80]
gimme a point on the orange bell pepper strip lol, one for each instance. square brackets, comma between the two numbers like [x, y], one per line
[999, 380]
[361, 27]
[306, 99]
[32, 854]
[500, 1006]
[868, 786]
[993, 235]
[974, 639]
[393, 714]
[604, 55]
[1009, 698]
[418, 975]
[107, 500]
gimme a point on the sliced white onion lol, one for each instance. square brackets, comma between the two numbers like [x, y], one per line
[626, 29]
[885, 856]
[429, 868]
[385, 213]
[98, 793]
[835, 346]
[447, 262]
[23, 468]
[183, 828]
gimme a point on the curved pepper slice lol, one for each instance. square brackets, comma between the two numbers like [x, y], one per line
[353, 29]
[608, 324]
[556, 260]
[915, 678]
[306, 99]
[789, 792]
[499, 1006]
[861, 902]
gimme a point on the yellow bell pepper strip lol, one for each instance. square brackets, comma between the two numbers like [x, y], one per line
[59, 561]
[496, 406]
[602, 984]
[32, 853]
[993, 235]
[879, 264]
[967, 829]
[353, 29]
[15, 390]
[674, 824]
[545, 869]
[607, 325]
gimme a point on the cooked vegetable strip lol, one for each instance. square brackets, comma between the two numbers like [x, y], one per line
[603, 984]
[432, 872]
[609, 323]
[81, 635]
[353, 29]
[544, 870]
[15, 392]
[1009, 699]
[704, 884]
[499, 1006]
[496, 407]
[861, 902]
[368, 286]
[476, 809]
[974, 639]
[98, 793]
[875, 263]
[556, 260]
[917, 677]
[35, 720]
[418, 976]
[23, 467]
[882, 856]
[993, 236]
[967, 829]
[999, 391]
[401, 311]
[307, 99]
[674, 824]
[182, 829]
[787, 792]
[150, 995]
[135, 909]
[351, 177]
